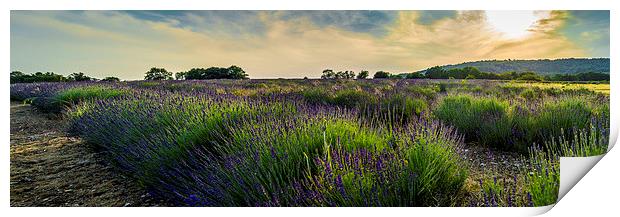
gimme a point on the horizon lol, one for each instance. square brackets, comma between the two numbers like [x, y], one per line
[295, 44]
[319, 77]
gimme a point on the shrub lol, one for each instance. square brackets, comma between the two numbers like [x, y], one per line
[157, 74]
[437, 169]
[543, 180]
[529, 94]
[70, 96]
[562, 115]
[398, 108]
[317, 96]
[232, 72]
[353, 98]
[427, 92]
[501, 192]
[111, 79]
[591, 141]
[484, 120]
[75, 95]
[442, 87]
[426, 172]
[382, 74]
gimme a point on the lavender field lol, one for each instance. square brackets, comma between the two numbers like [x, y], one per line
[333, 142]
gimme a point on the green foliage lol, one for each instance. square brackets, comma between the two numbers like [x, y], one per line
[484, 120]
[563, 116]
[415, 75]
[426, 172]
[438, 169]
[353, 98]
[493, 122]
[435, 72]
[73, 96]
[20, 77]
[79, 76]
[362, 75]
[588, 142]
[77, 94]
[543, 180]
[401, 108]
[542, 66]
[588, 76]
[158, 74]
[529, 76]
[438, 72]
[111, 79]
[232, 72]
[427, 92]
[180, 75]
[330, 74]
[442, 87]
[530, 93]
[472, 72]
[317, 96]
[382, 74]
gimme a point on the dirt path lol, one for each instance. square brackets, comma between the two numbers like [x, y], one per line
[49, 168]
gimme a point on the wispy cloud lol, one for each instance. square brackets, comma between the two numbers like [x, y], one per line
[285, 43]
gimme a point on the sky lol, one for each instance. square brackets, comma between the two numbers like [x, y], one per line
[294, 44]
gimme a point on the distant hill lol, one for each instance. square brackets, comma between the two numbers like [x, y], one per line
[542, 66]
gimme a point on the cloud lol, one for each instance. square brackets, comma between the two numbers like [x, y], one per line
[270, 44]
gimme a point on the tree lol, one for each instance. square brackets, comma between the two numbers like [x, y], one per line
[179, 76]
[382, 74]
[436, 72]
[350, 74]
[362, 75]
[328, 74]
[196, 74]
[530, 76]
[111, 79]
[78, 76]
[158, 74]
[232, 72]
[236, 72]
[17, 77]
[414, 75]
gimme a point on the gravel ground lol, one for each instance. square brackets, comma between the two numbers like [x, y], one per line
[49, 168]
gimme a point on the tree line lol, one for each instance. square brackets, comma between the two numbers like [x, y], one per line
[20, 77]
[330, 74]
[438, 72]
[540, 66]
[235, 72]
[232, 72]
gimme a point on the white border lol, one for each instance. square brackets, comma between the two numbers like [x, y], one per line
[597, 190]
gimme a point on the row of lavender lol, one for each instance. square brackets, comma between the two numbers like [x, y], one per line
[330, 143]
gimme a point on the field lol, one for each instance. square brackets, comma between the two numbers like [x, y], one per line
[334, 142]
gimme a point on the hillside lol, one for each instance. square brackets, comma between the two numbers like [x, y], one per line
[543, 66]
